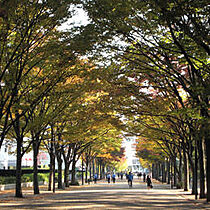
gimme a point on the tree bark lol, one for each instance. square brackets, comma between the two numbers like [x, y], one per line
[82, 170]
[35, 165]
[207, 144]
[175, 172]
[93, 161]
[196, 171]
[73, 171]
[18, 192]
[186, 172]
[90, 171]
[59, 160]
[86, 170]
[201, 166]
[51, 173]
[192, 168]
[66, 173]
[180, 183]
[163, 172]
[168, 172]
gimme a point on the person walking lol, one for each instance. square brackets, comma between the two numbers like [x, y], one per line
[113, 177]
[108, 177]
[130, 179]
[144, 177]
[95, 177]
[149, 182]
[121, 175]
[139, 175]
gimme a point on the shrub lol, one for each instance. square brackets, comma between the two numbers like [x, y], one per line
[7, 180]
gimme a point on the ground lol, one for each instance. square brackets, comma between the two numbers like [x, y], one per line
[105, 196]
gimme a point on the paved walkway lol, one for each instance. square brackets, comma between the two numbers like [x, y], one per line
[105, 196]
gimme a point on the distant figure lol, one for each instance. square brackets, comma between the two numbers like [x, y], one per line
[126, 175]
[113, 177]
[108, 177]
[130, 179]
[121, 175]
[149, 182]
[144, 177]
[139, 175]
[118, 174]
[95, 177]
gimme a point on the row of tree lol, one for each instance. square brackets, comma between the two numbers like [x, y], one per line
[158, 79]
[49, 95]
[152, 74]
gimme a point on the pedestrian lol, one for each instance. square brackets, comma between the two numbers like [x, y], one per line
[108, 177]
[144, 177]
[95, 177]
[113, 177]
[130, 179]
[121, 175]
[126, 175]
[149, 182]
[140, 174]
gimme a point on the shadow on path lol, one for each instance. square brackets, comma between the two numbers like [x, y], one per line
[107, 196]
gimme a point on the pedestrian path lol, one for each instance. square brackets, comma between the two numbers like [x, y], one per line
[106, 196]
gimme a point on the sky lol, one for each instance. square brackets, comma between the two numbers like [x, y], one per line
[80, 18]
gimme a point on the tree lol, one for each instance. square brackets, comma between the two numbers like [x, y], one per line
[162, 41]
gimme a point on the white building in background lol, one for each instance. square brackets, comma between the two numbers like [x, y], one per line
[7, 160]
[129, 143]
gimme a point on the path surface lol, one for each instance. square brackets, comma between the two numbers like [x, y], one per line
[105, 196]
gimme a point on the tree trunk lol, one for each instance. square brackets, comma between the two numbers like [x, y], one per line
[207, 143]
[156, 171]
[163, 172]
[93, 166]
[82, 170]
[175, 172]
[100, 169]
[50, 174]
[186, 172]
[180, 183]
[53, 173]
[159, 172]
[86, 170]
[192, 168]
[66, 173]
[18, 192]
[171, 176]
[59, 160]
[205, 134]
[35, 166]
[90, 171]
[103, 170]
[201, 166]
[168, 172]
[196, 171]
[153, 170]
[73, 172]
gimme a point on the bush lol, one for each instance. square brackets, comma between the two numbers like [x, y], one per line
[30, 178]
[24, 178]
[27, 178]
[43, 177]
[7, 180]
